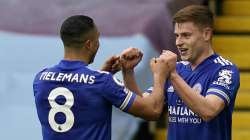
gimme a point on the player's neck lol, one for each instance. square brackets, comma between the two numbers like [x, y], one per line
[76, 59]
[76, 55]
[202, 57]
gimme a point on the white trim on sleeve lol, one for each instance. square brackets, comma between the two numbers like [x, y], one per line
[222, 93]
[126, 101]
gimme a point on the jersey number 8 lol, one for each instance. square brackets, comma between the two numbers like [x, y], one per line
[65, 109]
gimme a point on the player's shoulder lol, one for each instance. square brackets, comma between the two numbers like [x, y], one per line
[49, 68]
[99, 74]
[44, 70]
[38, 75]
[224, 67]
[108, 77]
[41, 71]
[220, 62]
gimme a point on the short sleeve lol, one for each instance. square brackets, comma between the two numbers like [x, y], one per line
[36, 80]
[115, 92]
[149, 91]
[225, 84]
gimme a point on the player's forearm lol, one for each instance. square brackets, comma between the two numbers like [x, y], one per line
[150, 106]
[130, 82]
[158, 94]
[194, 101]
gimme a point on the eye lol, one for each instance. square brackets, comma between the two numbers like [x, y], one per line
[186, 35]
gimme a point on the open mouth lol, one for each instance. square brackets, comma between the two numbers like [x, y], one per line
[183, 51]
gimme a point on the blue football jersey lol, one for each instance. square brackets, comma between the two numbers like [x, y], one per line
[215, 75]
[75, 103]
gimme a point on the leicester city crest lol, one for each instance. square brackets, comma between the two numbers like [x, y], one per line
[197, 88]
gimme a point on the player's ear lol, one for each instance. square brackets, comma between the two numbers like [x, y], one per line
[207, 33]
[87, 44]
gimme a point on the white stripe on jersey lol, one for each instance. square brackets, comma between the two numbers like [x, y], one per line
[222, 93]
[226, 61]
[215, 61]
[222, 61]
[150, 89]
[126, 101]
[100, 71]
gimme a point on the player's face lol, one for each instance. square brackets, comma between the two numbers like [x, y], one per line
[95, 45]
[189, 41]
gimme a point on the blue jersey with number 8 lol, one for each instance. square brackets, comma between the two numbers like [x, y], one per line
[75, 103]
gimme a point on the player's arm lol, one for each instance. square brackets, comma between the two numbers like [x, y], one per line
[206, 107]
[147, 107]
[129, 59]
[130, 81]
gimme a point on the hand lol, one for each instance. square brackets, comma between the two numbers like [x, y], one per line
[112, 65]
[164, 64]
[171, 59]
[159, 67]
[130, 58]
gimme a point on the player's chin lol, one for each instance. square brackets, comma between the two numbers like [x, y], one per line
[184, 58]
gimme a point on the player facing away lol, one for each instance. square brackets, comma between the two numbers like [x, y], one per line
[201, 89]
[74, 102]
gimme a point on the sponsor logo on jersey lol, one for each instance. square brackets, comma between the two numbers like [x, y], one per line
[182, 114]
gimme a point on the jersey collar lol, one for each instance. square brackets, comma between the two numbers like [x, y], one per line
[205, 62]
[71, 64]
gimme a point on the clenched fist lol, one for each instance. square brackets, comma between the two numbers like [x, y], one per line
[130, 57]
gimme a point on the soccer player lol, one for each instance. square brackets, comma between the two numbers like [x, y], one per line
[74, 102]
[201, 89]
